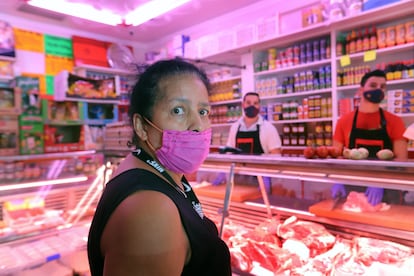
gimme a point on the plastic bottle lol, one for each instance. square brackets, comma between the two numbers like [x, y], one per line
[373, 40]
[358, 43]
[328, 48]
[352, 42]
[365, 40]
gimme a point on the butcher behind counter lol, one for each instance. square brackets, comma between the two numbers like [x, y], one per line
[377, 133]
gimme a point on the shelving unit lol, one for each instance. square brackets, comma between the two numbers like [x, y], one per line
[256, 51]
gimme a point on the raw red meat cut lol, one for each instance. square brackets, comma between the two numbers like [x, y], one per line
[323, 264]
[262, 248]
[313, 235]
[358, 202]
[240, 260]
[373, 250]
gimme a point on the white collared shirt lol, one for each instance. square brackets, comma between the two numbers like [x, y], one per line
[269, 137]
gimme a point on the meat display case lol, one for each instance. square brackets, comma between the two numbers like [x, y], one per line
[387, 174]
[46, 204]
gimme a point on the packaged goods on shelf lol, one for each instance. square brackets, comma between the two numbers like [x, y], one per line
[62, 112]
[312, 15]
[70, 86]
[7, 42]
[29, 90]
[63, 138]
[100, 113]
[94, 137]
[9, 133]
[31, 136]
[6, 68]
[117, 136]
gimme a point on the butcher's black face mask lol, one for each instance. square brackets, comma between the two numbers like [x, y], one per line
[374, 96]
[251, 111]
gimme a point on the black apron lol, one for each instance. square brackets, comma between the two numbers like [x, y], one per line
[249, 141]
[373, 140]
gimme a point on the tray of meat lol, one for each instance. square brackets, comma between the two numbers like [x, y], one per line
[357, 209]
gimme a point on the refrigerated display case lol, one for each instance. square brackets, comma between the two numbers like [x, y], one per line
[269, 213]
[46, 203]
[396, 224]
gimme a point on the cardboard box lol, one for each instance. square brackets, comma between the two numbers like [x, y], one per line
[63, 138]
[10, 101]
[9, 133]
[70, 86]
[100, 113]
[29, 87]
[312, 15]
[66, 112]
[6, 68]
[31, 137]
[7, 41]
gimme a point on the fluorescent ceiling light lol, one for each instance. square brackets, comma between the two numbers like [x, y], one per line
[80, 10]
[141, 14]
[151, 10]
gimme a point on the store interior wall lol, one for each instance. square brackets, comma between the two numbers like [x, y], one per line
[290, 12]
[51, 27]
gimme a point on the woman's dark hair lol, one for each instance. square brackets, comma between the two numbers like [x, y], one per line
[146, 92]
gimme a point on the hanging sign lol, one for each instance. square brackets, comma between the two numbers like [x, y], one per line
[58, 46]
[54, 64]
[28, 40]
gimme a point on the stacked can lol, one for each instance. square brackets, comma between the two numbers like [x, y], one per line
[271, 58]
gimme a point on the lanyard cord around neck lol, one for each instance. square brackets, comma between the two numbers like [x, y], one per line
[145, 157]
[188, 192]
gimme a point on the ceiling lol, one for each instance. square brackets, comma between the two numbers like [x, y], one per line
[186, 16]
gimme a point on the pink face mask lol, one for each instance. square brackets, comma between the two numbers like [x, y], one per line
[183, 151]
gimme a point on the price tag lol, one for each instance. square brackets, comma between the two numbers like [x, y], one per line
[370, 55]
[345, 60]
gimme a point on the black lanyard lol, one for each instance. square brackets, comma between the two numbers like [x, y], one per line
[187, 192]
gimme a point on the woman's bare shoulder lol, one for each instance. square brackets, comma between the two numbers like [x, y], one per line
[145, 227]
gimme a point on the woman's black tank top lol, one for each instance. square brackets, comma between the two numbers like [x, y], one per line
[209, 254]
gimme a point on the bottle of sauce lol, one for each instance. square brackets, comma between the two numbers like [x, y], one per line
[328, 48]
[347, 44]
[400, 34]
[352, 42]
[358, 43]
[382, 38]
[365, 41]
[373, 41]
[391, 37]
[409, 31]
[339, 77]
